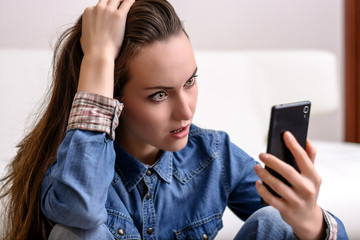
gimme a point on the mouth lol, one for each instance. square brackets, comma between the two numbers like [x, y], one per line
[178, 130]
[181, 130]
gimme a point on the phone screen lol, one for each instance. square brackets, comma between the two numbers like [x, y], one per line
[293, 117]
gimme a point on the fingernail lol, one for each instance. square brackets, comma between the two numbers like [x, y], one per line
[288, 136]
[257, 167]
[263, 156]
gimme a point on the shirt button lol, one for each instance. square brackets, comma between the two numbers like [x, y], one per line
[121, 231]
[148, 172]
[148, 196]
[150, 231]
[205, 237]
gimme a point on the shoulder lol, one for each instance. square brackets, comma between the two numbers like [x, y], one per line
[205, 139]
[214, 142]
[206, 146]
[209, 144]
[206, 135]
[202, 144]
[198, 155]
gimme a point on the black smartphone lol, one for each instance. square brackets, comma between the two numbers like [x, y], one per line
[293, 117]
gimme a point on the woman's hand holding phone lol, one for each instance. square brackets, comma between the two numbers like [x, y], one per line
[103, 28]
[298, 202]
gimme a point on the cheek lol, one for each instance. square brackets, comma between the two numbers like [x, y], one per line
[143, 117]
[194, 97]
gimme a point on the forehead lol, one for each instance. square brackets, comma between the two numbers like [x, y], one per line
[163, 62]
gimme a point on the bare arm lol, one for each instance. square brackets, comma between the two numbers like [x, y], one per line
[103, 30]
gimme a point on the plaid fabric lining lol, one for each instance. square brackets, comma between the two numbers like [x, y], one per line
[332, 226]
[94, 112]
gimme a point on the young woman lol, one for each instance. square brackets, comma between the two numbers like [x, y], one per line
[127, 69]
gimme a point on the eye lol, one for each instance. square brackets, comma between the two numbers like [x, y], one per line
[159, 96]
[191, 81]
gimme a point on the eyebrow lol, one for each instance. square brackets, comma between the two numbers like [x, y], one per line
[167, 88]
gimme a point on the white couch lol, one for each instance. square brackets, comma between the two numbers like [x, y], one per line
[236, 91]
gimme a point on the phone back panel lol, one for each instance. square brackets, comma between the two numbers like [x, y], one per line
[293, 117]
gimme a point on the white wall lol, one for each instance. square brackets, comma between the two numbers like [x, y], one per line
[225, 24]
[275, 24]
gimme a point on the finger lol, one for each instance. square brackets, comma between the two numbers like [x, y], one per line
[285, 170]
[310, 150]
[102, 2]
[268, 197]
[114, 3]
[274, 183]
[301, 157]
[126, 5]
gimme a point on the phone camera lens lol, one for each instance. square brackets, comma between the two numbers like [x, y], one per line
[306, 109]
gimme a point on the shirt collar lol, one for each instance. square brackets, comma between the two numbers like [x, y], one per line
[132, 171]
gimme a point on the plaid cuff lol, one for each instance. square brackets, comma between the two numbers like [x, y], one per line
[94, 112]
[331, 227]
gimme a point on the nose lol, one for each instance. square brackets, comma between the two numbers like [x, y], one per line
[184, 107]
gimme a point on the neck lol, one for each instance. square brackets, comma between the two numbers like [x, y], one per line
[145, 153]
[148, 158]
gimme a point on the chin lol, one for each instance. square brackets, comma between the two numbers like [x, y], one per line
[177, 146]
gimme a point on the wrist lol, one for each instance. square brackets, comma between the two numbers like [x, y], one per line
[97, 74]
[98, 56]
[103, 52]
[315, 229]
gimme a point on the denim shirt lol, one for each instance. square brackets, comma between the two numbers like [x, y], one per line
[94, 181]
[183, 196]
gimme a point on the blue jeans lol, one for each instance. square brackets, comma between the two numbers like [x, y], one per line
[60, 232]
[266, 223]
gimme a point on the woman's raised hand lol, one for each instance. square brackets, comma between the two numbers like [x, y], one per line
[103, 28]
[298, 205]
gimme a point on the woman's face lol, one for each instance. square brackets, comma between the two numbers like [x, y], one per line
[160, 97]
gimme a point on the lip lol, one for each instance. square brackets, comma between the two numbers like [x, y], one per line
[180, 132]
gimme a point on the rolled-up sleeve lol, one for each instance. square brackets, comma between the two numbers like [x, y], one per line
[74, 190]
[94, 112]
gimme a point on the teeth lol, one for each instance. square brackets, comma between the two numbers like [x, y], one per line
[179, 130]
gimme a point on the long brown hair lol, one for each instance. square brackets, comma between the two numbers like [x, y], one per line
[148, 21]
